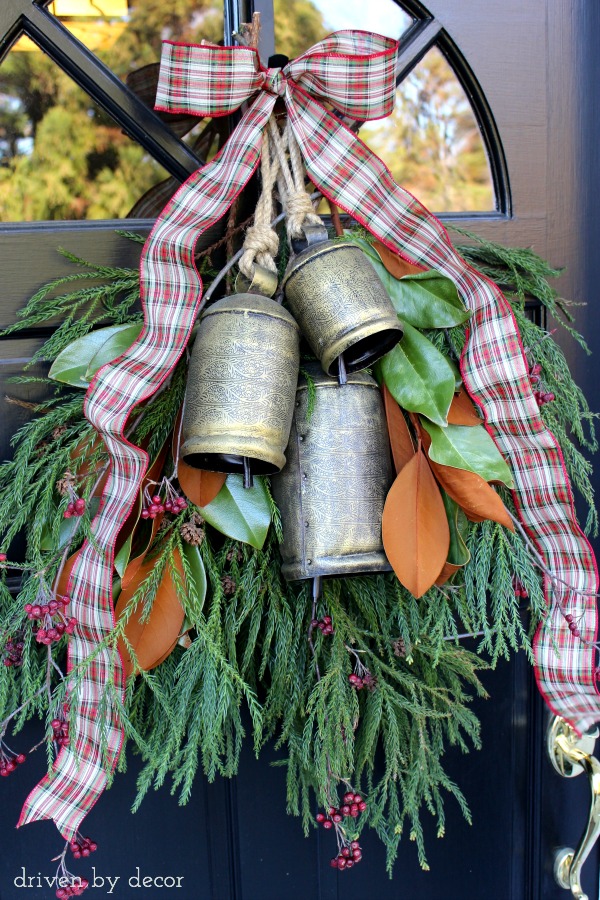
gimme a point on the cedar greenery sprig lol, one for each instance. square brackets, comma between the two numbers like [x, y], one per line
[249, 660]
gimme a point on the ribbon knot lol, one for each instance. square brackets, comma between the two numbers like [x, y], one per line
[275, 82]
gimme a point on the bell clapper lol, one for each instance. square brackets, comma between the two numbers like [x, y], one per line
[248, 479]
[316, 588]
[342, 374]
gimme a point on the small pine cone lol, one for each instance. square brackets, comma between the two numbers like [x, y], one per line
[192, 534]
[56, 432]
[400, 648]
[229, 585]
[65, 484]
[369, 681]
[235, 553]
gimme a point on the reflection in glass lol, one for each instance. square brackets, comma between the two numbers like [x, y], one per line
[61, 156]
[132, 31]
[301, 23]
[431, 141]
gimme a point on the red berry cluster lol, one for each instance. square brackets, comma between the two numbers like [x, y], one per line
[82, 846]
[155, 504]
[520, 589]
[535, 378]
[324, 625]
[3, 557]
[366, 680]
[60, 734]
[14, 652]
[75, 889]
[352, 806]
[51, 630]
[348, 856]
[9, 760]
[572, 625]
[543, 397]
[75, 507]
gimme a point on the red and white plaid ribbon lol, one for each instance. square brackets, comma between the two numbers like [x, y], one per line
[354, 72]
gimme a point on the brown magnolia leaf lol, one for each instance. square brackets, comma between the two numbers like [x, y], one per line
[463, 411]
[447, 572]
[473, 494]
[63, 581]
[395, 265]
[153, 639]
[401, 441]
[131, 522]
[415, 530]
[199, 485]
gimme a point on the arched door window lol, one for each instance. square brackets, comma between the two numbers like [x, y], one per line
[79, 139]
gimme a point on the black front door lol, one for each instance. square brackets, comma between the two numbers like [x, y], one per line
[528, 70]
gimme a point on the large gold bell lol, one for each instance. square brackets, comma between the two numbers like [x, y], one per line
[332, 491]
[242, 380]
[341, 305]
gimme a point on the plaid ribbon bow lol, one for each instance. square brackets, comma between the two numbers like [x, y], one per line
[354, 72]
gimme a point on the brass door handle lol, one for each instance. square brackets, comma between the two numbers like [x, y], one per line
[571, 755]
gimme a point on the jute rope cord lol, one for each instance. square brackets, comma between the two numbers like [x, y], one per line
[261, 243]
[281, 163]
[292, 191]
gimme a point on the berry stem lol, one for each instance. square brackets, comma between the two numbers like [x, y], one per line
[311, 628]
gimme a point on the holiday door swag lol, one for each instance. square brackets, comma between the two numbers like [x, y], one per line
[211, 495]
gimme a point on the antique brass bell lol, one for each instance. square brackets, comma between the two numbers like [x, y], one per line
[341, 305]
[332, 491]
[242, 380]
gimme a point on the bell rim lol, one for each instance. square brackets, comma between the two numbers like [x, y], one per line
[272, 308]
[259, 465]
[374, 562]
[354, 336]
[323, 379]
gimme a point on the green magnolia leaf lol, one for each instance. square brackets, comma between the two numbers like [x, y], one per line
[114, 345]
[458, 554]
[240, 513]
[74, 365]
[197, 590]
[426, 300]
[468, 447]
[122, 557]
[365, 246]
[418, 376]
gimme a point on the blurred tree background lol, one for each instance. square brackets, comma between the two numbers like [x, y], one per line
[62, 157]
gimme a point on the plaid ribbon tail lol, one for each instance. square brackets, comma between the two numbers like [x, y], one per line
[172, 296]
[495, 373]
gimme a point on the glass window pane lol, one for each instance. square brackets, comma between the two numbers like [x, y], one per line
[61, 156]
[301, 23]
[127, 35]
[432, 143]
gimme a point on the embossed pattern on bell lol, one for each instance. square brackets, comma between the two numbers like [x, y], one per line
[341, 306]
[332, 491]
[241, 385]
